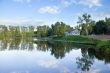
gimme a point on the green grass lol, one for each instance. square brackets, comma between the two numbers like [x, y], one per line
[79, 39]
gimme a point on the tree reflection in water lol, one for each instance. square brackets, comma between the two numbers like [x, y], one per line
[59, 49]
[16, 44]
[85, 61]
[88, 55]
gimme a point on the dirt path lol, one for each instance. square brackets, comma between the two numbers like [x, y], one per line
[100, 37]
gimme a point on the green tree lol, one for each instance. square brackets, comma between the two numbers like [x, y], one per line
[24, 31]
[107, 21]
[3, 31]
[31, 31]
[14, 31]
[42, 31]
[100, 27]
[59, 28]
[85, 24]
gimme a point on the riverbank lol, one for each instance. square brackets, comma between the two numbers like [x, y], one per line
[78, 39]
[84, 40]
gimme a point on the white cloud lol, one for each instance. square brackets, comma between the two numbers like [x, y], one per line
[94, 15]
[100, 16]
[65, 70]
[66, 2]
[22, 1]
[90, 3]
[20, 72]
[48, 63]
[21, 22]
[49, 9]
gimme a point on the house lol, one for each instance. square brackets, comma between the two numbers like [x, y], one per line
[72, 32]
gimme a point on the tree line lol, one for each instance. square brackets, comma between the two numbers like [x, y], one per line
[57, 29]
[87, 26]
[7, 32]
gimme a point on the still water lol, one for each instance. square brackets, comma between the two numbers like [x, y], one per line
[28, 56]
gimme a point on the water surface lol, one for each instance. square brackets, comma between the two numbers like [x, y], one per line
[28, 56]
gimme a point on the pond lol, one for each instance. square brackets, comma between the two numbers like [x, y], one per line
[28, 56]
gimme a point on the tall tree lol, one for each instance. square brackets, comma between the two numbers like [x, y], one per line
[107, 21]
[59, 28]
[42, 31]
[85, 24]
[100, 27]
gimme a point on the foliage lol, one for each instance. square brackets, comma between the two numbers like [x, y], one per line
[42, 31]
[107, 22]
[59, 28]
[8, 32]
[87, 26]
[100, 27]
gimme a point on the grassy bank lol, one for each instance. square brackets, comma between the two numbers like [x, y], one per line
[77, 39]
[84, 40]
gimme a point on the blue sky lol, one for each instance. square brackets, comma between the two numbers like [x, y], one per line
[46, 12]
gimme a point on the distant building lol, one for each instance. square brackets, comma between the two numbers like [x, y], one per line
[73, 32]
